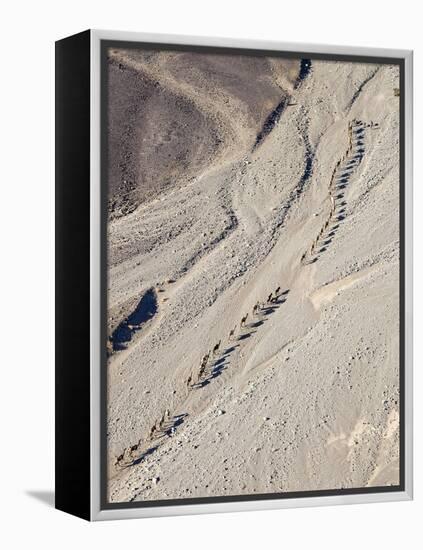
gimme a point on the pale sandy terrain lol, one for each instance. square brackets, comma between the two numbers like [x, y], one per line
[305, 395]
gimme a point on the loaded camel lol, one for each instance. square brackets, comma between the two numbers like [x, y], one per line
[243, 321]
[216, 347]
[256, 308]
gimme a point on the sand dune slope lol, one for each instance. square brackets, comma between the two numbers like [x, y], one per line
[282, 254]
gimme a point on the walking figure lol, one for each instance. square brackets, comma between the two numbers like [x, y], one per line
[162, 420]
[216, 347]
[201, 371]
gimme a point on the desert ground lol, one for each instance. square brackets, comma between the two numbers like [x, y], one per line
[253, 275]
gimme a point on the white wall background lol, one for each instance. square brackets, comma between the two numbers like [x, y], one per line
[29, 29]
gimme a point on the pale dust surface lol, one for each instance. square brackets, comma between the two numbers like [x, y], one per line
[305, 395]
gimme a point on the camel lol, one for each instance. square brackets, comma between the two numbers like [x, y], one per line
[231, 333]
[243, 320]
[277, 290]
[119, 458]
[152, 432]
[162, 420]
[201, 372]
[269, 297]
[216, 347]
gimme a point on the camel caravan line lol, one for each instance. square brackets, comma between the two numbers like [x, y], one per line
[164, 427]
[211, 364]
[338, 182]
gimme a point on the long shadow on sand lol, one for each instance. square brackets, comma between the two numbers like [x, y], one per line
[217, 366]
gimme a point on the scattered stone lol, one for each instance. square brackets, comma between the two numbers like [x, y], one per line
[220, 412]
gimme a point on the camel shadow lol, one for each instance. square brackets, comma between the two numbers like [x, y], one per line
[246, 335]
[341, 182]
[229, 350]
[213, 371]
[144, 455]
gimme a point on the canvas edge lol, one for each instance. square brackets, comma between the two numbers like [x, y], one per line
[408, 280]
[95, 277]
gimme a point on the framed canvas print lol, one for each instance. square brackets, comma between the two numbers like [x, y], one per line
[233, 275]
